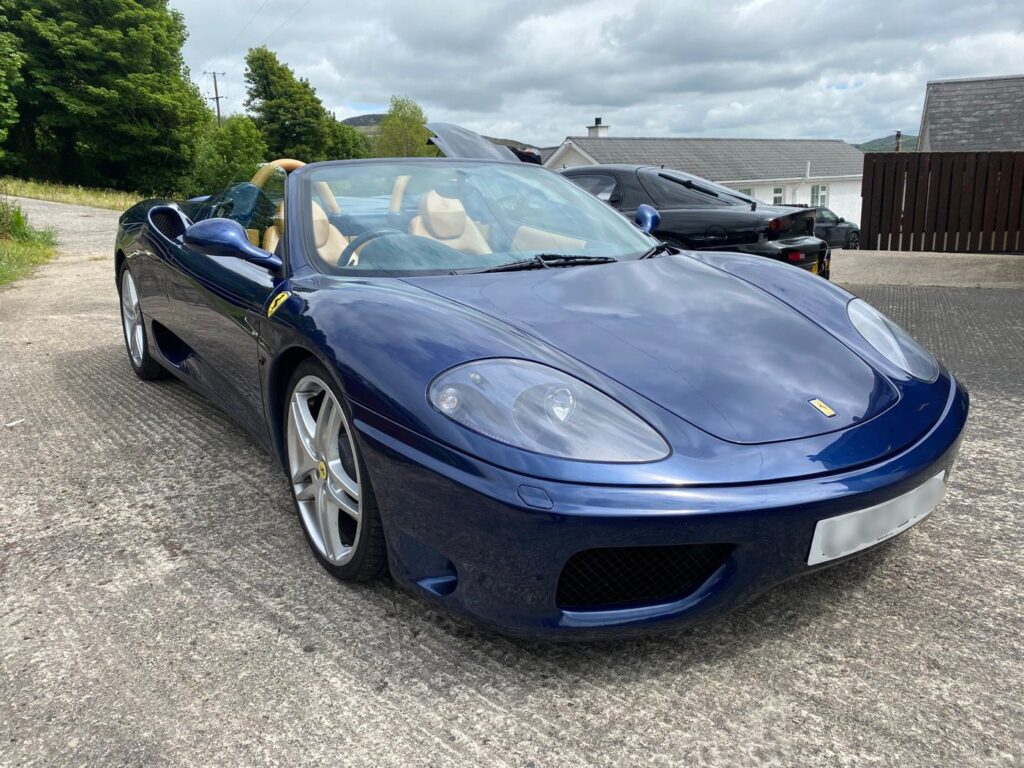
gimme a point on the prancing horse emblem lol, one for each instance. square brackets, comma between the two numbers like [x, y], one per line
[822, 406]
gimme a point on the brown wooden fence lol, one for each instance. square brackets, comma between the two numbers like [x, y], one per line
[943, 201]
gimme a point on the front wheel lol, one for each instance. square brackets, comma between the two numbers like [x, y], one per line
[853, 241]
[329, 482]
[134, 326]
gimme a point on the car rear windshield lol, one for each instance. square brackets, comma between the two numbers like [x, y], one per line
[438, 216]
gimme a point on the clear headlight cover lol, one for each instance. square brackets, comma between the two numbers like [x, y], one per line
[892, 341]
[540, 409]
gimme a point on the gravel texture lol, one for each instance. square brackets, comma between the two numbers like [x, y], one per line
[158, 604]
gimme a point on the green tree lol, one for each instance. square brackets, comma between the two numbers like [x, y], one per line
[10, 75]
[346, 143]
[227, 154]
[403, 131]
[105, 97]
[286, 108]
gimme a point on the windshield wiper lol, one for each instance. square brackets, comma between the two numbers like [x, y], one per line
[689, 184]
[546, 261]
[656, 250]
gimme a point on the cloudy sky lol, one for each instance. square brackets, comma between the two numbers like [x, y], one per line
[538, 71]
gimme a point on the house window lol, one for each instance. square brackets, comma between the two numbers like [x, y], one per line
[746, 191]
[777, 196]
[819, 195]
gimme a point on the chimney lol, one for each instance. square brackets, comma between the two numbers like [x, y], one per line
[597, 130]
[899, 140]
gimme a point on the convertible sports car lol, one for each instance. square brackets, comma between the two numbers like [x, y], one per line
[698, 214]
[480, 378]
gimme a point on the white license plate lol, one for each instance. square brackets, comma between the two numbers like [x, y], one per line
[845, 534]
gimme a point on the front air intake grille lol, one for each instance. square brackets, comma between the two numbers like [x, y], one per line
[616, 577]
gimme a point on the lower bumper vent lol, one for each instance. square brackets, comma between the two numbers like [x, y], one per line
[617, 577]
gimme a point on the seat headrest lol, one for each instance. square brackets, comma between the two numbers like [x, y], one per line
[321, 225]
[444, 217]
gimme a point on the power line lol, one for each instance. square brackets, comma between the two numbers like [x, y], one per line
[245, 26]
[275, 31]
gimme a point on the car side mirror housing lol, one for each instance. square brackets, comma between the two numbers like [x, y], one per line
[226, 237]
[647, 218]
[841, 220]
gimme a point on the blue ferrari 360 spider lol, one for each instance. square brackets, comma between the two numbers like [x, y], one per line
[481, 378]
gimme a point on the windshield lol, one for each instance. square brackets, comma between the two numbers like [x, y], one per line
[439, 216]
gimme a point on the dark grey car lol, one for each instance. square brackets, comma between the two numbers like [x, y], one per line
[835, 230]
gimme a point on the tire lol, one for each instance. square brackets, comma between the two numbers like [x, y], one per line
[133, 327]
[853, 241]
[330, 486]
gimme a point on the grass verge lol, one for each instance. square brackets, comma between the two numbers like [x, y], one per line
[22, 246]
[65, 193]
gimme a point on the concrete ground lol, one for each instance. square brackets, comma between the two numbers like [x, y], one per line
[158, 604]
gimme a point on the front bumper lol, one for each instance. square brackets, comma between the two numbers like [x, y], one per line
[482, 541]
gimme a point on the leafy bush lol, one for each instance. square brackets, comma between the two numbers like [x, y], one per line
[21, 246]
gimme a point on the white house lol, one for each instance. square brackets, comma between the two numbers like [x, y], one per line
[807, 171]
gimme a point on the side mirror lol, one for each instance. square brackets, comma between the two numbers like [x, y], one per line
[647, 218]
[841, 220]
[226, 237]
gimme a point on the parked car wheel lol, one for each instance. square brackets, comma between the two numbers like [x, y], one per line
[329, 481]
[853, 241]
[134, 326]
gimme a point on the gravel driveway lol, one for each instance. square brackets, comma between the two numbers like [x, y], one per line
[158, 604]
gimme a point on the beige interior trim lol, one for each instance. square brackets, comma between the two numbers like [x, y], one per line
[533, 239]
[398, 193]
[288, 164]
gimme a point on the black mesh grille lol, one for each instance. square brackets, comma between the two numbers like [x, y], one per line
[620, 576]
[168, 222]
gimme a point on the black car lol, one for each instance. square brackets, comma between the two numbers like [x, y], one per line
[835, 230]
[697, 214]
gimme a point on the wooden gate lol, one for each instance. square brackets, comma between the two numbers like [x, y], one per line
[943, 201]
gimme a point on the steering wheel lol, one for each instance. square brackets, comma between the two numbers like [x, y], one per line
[288, 165]
[350, 256]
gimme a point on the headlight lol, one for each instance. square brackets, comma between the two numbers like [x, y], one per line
[540, 409]
[892, 341]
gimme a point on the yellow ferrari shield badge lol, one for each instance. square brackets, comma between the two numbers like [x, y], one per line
[280, 299]
[321, 469]
[822, 406]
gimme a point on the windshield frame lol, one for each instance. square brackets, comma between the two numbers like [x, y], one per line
[299, 227]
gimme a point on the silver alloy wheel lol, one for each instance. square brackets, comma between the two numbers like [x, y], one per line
[324, 470]
[854, 243]
[131, 317]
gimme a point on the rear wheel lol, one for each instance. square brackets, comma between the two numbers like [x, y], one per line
[330, 485]
[853, 241]
[134, 326]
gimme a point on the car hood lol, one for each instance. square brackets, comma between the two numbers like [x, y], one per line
[720, 353]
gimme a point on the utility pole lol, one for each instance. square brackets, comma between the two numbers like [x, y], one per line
[899, 139]
[216, 93]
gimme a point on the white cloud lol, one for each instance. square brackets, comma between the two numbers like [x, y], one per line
[527, 70]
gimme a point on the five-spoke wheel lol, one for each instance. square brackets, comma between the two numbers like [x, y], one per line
[328, 478]
[134, 327]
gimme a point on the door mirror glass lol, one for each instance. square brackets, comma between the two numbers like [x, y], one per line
[226, 237]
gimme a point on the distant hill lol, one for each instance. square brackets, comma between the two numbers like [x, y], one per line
[888, 144]
[364, 121]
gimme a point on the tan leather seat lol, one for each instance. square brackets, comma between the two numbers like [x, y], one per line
[444, 219]
[273, 234]
[328, 239]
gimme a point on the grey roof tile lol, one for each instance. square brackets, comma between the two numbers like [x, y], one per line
[731, 159]
[974, 114]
